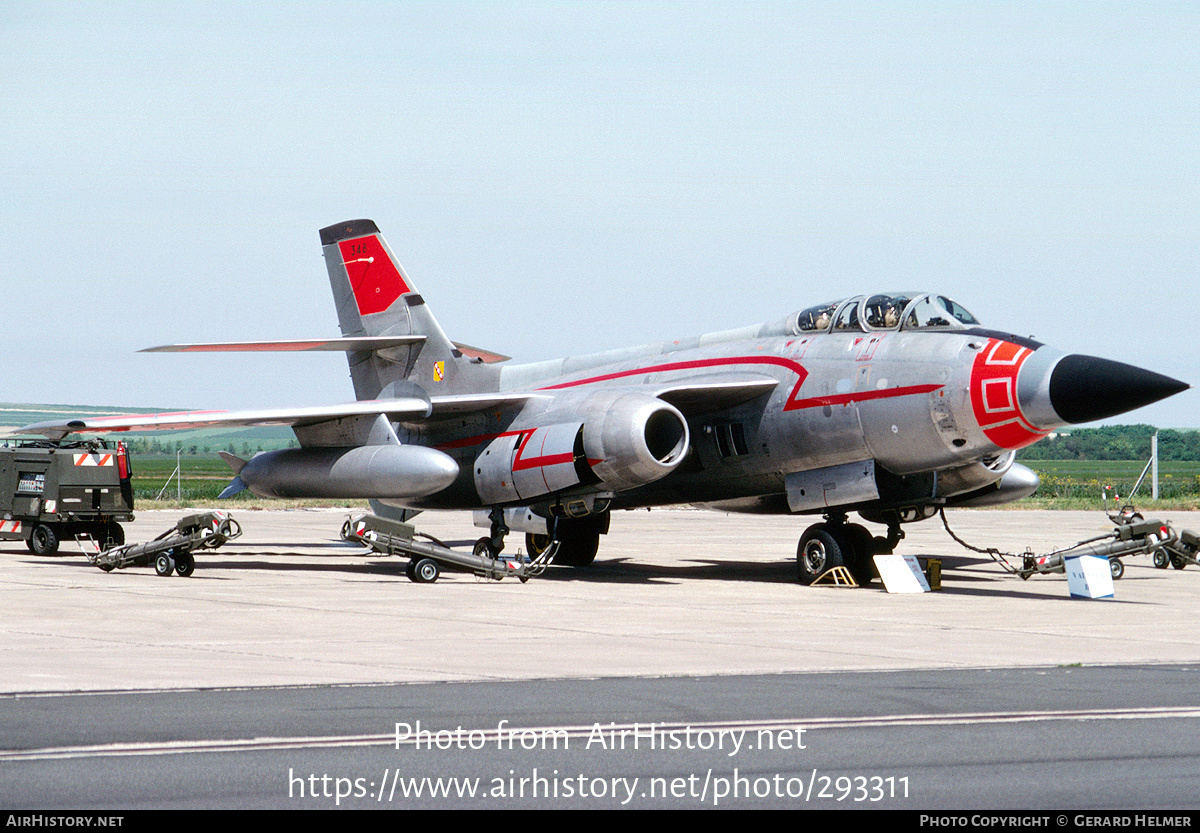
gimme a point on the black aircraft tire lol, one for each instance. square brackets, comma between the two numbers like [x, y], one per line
[818, 551]
[536, 544]
[579, 539]
[43, 540]
[483, 548]
[578, 548]
[858, 558]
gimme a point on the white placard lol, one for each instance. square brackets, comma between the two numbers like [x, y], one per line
[1089, 577]
[901, 574]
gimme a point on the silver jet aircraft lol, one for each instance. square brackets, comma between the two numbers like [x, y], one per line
[889, 405]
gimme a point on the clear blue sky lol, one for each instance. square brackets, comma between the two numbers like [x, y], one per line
[560, 178]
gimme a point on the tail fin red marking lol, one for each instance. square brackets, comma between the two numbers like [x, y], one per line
[374, 279]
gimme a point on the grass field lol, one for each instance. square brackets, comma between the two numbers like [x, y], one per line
[203, 479]
[1090, 479]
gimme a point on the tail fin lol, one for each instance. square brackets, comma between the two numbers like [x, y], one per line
[375, 298]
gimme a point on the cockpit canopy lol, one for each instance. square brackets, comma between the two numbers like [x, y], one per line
[887, 311]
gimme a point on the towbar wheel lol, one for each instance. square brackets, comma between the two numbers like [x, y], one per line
[425, 571]
[185, 564]
[164, 564]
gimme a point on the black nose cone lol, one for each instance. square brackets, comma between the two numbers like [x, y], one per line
[1084, 388]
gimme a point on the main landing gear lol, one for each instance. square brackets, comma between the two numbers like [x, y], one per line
[578, 538]
[490, 546]
[835, 543]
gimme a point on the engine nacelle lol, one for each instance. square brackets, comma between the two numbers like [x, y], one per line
[614, 441]
[637, 439]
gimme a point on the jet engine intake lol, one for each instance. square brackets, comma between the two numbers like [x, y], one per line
[636, 440]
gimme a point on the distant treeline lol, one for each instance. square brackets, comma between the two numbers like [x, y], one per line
[1116, 442]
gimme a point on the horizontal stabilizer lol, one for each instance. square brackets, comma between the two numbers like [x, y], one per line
[335, 345]
[485, 356]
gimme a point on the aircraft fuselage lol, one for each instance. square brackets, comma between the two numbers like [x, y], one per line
[912, 402]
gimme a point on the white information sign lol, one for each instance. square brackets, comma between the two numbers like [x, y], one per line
[1089, 577]
[901, 574]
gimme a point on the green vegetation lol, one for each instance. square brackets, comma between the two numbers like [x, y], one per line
[1084, 484]
[1115, 442]
[1084, 467]
[204, 476]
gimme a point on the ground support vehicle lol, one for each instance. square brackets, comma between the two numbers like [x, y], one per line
[1184, 550]
[54, 490]
[426, 558]
[1138, 537]
[1180, 553]
[172, 551]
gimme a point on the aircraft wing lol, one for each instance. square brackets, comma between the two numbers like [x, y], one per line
[710, 393]
[692, 395]
[453, 405]
[403, 408]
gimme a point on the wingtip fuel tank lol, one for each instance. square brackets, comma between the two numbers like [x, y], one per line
[391, 472]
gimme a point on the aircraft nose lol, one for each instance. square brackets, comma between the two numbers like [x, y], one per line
[1056, 389]
[1085, 388]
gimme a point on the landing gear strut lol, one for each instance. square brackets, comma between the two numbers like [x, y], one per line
[492, 545]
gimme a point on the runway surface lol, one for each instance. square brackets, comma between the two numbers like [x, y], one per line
[286, 661]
